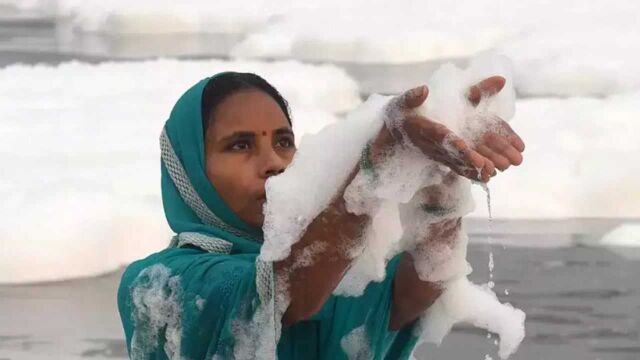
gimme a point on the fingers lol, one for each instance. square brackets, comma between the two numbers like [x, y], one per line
[424, 132]
[501, 162]
[516, 142]
[477, 167]
[471, 157]
[482, 174]
[500, 145]
[413, 98]
[486, 87]
[441, 144]
[487, 171]
[512, 137]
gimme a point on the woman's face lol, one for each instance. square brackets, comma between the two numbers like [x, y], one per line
[248, 140]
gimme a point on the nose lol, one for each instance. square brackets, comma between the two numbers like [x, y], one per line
[271, 164]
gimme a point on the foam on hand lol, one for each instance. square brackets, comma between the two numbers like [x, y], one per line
[448, 89]
[404, 180]
[461, 300]
[319, 170]
[394, 196]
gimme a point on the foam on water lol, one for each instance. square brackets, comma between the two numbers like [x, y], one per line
[549, 59]
[625, 235]
[79, 147]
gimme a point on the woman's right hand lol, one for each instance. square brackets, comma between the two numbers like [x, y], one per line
[474, 161]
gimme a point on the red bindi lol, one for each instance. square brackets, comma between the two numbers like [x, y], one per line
[264, 133]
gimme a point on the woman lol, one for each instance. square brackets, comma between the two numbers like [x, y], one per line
[208, 296]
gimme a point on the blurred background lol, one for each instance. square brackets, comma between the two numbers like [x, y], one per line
[85, 88]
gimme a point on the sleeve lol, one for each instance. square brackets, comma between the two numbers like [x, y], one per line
[358, 327]
[191, 303]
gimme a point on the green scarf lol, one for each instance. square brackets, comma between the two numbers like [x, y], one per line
[194, 205]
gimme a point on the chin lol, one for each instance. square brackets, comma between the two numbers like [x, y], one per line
[257, 221]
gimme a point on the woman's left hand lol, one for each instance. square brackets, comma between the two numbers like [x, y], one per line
[499, 144]
[499, 147]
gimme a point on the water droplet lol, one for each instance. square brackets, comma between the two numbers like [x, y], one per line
[491, 263]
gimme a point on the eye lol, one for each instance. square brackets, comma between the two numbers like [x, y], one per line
[239, 145]
[286, 142]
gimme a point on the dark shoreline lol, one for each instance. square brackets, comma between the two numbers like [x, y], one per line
[581, 303]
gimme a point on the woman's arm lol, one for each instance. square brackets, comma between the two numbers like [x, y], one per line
[324, 246]
[326, 242]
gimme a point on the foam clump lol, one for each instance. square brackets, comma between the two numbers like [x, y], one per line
[405, 181]
[479, 306]
[448, 103]
[382, 242]
[321, 166]
[625, 235]
[405, 172]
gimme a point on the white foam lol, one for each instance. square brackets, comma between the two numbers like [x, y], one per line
[157, 302]
[463, 301]
[448, 104]
[371, 32]
[355, 344]
[625, 235]
[577, 49]
[165, 16]
[557, 50]
[319, 169]
[200, 302]
[383, 242]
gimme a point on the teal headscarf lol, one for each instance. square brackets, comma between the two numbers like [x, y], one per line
[201, 297]
[191, 203]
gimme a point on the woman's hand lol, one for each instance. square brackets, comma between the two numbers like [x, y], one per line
[499, 147]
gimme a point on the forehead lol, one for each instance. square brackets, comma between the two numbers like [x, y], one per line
[247, 110]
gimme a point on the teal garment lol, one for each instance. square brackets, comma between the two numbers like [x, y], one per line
[208, 296]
